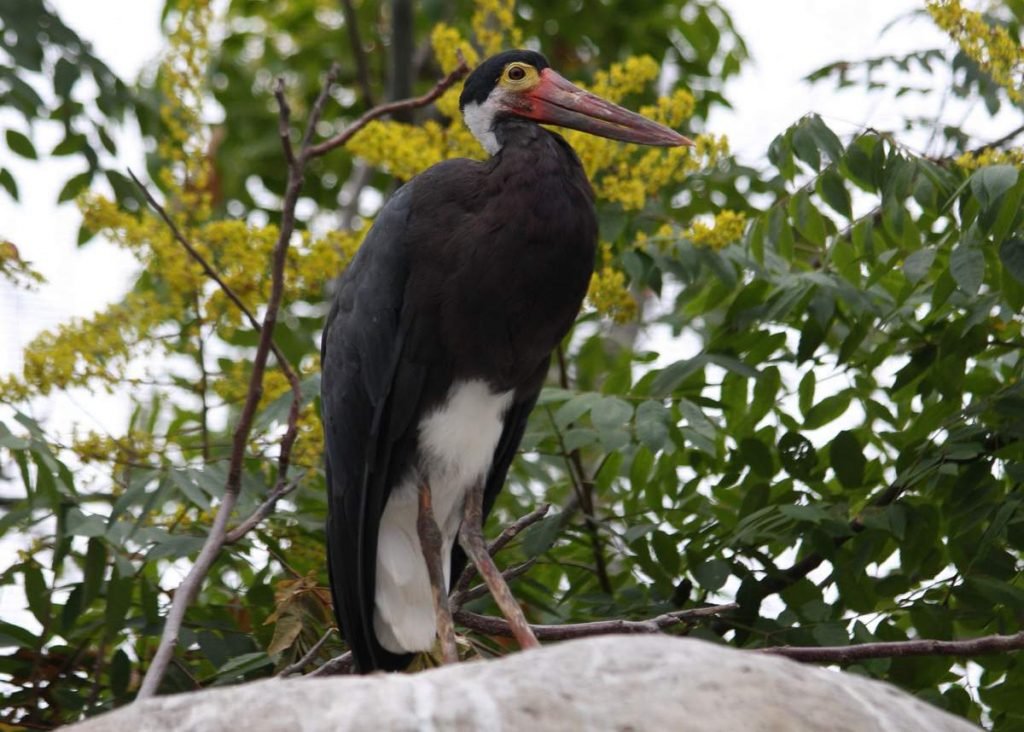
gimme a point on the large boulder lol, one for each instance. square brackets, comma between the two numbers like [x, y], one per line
[607, 683]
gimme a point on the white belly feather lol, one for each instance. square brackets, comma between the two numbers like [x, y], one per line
[457, 443]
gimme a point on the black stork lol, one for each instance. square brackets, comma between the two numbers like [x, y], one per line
[436, 348]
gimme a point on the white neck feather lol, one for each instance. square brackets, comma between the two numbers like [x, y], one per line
[479, 119]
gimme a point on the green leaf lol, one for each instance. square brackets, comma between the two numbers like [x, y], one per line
[611, 413]
[712, 574]
[805, 148]
[575, 408]
[806, 391]
[669, 378]
[186, 482]
[847, 458]
[798, 455]
[95, 568]
[917, 265]
[8, 183]
[37, 593]
[119, 598]
[833, 191]
[827, 410]
[990, 183]
[758, 456]
[74, 186]
[20, 144]
[542, 535]
[70, 145]
[967, 265]
[1011, 252]
[652, 420]
[242, 665]
[666, 550]
[120, 673]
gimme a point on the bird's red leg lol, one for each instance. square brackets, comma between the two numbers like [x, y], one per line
[471, 537]
[430, 543]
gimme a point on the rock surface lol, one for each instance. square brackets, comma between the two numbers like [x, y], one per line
[622, 683]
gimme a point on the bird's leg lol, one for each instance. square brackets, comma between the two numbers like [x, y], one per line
[430, 543]
[471, 537]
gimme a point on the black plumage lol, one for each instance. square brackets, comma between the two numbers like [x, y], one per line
[472, 270]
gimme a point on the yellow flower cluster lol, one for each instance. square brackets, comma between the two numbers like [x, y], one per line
[494, 25]
[15, 269]
[991, 156]
[135, 447]
[662, 238]
[728, 227]
[182, 85]
[992, 47]
[608, 292]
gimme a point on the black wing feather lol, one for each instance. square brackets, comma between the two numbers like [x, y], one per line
[361, 355]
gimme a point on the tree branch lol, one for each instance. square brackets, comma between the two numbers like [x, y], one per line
[362, 68]
[384, 109]
[499, 626]
[294, 668]
[508, 534]
[984, 645]
[342, 664]
[263, 511]
[219, 536]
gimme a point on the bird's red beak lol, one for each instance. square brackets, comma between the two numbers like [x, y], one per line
[557, 101]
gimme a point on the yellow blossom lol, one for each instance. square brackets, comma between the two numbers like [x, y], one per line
[608, 292]
[991, 46]
[991, 156]
[727, 227]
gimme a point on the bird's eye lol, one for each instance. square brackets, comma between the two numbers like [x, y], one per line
[516, 73]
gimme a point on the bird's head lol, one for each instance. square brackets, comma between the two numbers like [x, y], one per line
[522, 84]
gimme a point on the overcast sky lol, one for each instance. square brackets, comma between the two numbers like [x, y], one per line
[787, 39]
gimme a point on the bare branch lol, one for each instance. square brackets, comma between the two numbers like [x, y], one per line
[263, 511]
[215, 276]
[194, 253]
[343, 664]
[284, 117]
[984, 645]
[499, 626]
[184, 595]
[461, 598]
[362, 68]
[294, 668]
[508, 534]
[384, 109]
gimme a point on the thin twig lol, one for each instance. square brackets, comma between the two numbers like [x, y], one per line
[210, 272]
[984, 645]
[358, 52]
[307, 658]
[342, 664]
[461, 598]
[508, 534]
[499, 626]
[262, 511]
[384, 109]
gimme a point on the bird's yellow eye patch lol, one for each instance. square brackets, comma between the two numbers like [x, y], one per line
[518, 76]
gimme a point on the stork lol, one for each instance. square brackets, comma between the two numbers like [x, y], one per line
[436, 348]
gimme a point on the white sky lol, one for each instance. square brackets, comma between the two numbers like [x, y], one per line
[787, 39]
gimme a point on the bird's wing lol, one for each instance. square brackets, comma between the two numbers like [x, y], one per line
[365, 384]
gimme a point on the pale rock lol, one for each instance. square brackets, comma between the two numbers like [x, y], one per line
[622, 683]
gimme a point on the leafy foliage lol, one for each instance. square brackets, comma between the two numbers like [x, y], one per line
[44, 70]
[816, 409]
